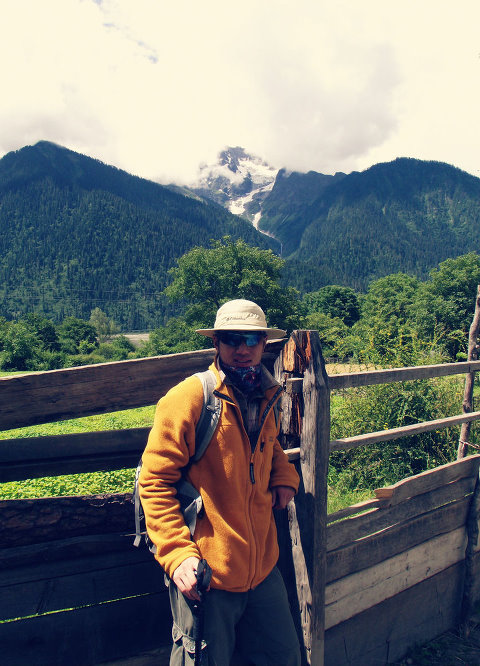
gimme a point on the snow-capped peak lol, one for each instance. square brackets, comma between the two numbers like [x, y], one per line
[238, 181]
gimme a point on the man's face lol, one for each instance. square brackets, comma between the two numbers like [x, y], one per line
[239, 349]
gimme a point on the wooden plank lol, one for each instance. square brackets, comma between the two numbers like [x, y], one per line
[90, 635]
[404, 431]
[430, 480]
[395, 539]
[472, 355]
[70, 393]
[355, 509]
[53, 447]
[383, 634]
[33, 572]
[30, 521]
[293, 454]
[389, 375]
[353, 594]
[85, 581]
[68, 549]
[34, 457]
[56, 395]
[358, 527]
[157, 657]
[371, 377]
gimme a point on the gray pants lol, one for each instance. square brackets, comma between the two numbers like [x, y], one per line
[259, 620]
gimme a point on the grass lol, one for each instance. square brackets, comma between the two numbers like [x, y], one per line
[117, 481]
[92, 483]
[128, 418]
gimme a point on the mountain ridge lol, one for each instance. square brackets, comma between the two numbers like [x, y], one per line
[404, 215]
[76, 233]
[71, 225]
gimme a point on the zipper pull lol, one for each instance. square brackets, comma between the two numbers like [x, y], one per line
[252, 475]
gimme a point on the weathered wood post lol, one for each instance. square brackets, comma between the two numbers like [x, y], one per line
[306, 422]
[470, 378]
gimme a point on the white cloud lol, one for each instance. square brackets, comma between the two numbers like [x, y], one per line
[156, 88]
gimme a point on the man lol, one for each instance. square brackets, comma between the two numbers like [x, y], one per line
[242, 475]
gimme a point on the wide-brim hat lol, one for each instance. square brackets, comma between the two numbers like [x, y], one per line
[242, 315]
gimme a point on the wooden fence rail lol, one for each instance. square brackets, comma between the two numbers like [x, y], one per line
[364, 583]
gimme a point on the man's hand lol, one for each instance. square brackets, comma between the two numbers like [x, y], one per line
[185, 579]
[281, 496]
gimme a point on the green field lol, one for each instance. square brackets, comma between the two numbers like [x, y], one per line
[117, 481]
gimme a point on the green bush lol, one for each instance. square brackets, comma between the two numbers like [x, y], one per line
[374, 408]
[84, 359]
[118, 350]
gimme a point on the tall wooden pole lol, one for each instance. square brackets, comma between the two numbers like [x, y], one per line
[470, 378]
[306, 418]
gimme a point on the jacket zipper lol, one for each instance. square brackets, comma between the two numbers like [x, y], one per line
[266, 411]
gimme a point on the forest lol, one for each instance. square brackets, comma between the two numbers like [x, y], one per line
[406, 215]
[400, 320]
[76, 234]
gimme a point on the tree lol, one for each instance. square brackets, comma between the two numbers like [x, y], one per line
[44, 329]
[387, 324]
[77, 336]
[20, 347]
[29, 344]
[175, 337]
[207, 277]
[390, 299]
[446, 302]
[118, 349]
[104, 325]
[334, 301]
[330, 329]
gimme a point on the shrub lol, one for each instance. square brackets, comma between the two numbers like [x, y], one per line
[374, 408]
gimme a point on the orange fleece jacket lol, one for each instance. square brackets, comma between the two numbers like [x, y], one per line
[236, 533]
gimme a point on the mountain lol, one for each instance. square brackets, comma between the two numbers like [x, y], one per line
[407, 215]
[238, 181]
[76, 234]
[285, 211]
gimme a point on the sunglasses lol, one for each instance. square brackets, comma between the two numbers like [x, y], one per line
[236, 339]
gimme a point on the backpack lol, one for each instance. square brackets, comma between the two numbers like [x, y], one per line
[190, 499]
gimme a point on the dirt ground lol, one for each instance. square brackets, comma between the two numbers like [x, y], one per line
[137, 338]
[450, 649]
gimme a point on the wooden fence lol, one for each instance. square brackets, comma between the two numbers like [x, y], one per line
[365, 583]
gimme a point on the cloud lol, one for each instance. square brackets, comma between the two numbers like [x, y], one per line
[156, 88]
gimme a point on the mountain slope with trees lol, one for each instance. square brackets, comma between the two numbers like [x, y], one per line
[76, 234]
[405, 215]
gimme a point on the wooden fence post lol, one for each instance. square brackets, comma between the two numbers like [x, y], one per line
[470, 378]
[306, 421]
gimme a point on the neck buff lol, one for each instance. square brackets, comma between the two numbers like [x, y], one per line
[247, 379]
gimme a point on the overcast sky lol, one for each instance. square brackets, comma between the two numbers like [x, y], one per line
[157, 87]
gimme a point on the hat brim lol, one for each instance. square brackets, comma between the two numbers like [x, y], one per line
[271, 333]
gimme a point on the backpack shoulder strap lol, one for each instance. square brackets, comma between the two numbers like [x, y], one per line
[190, 499]
[210, 415]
